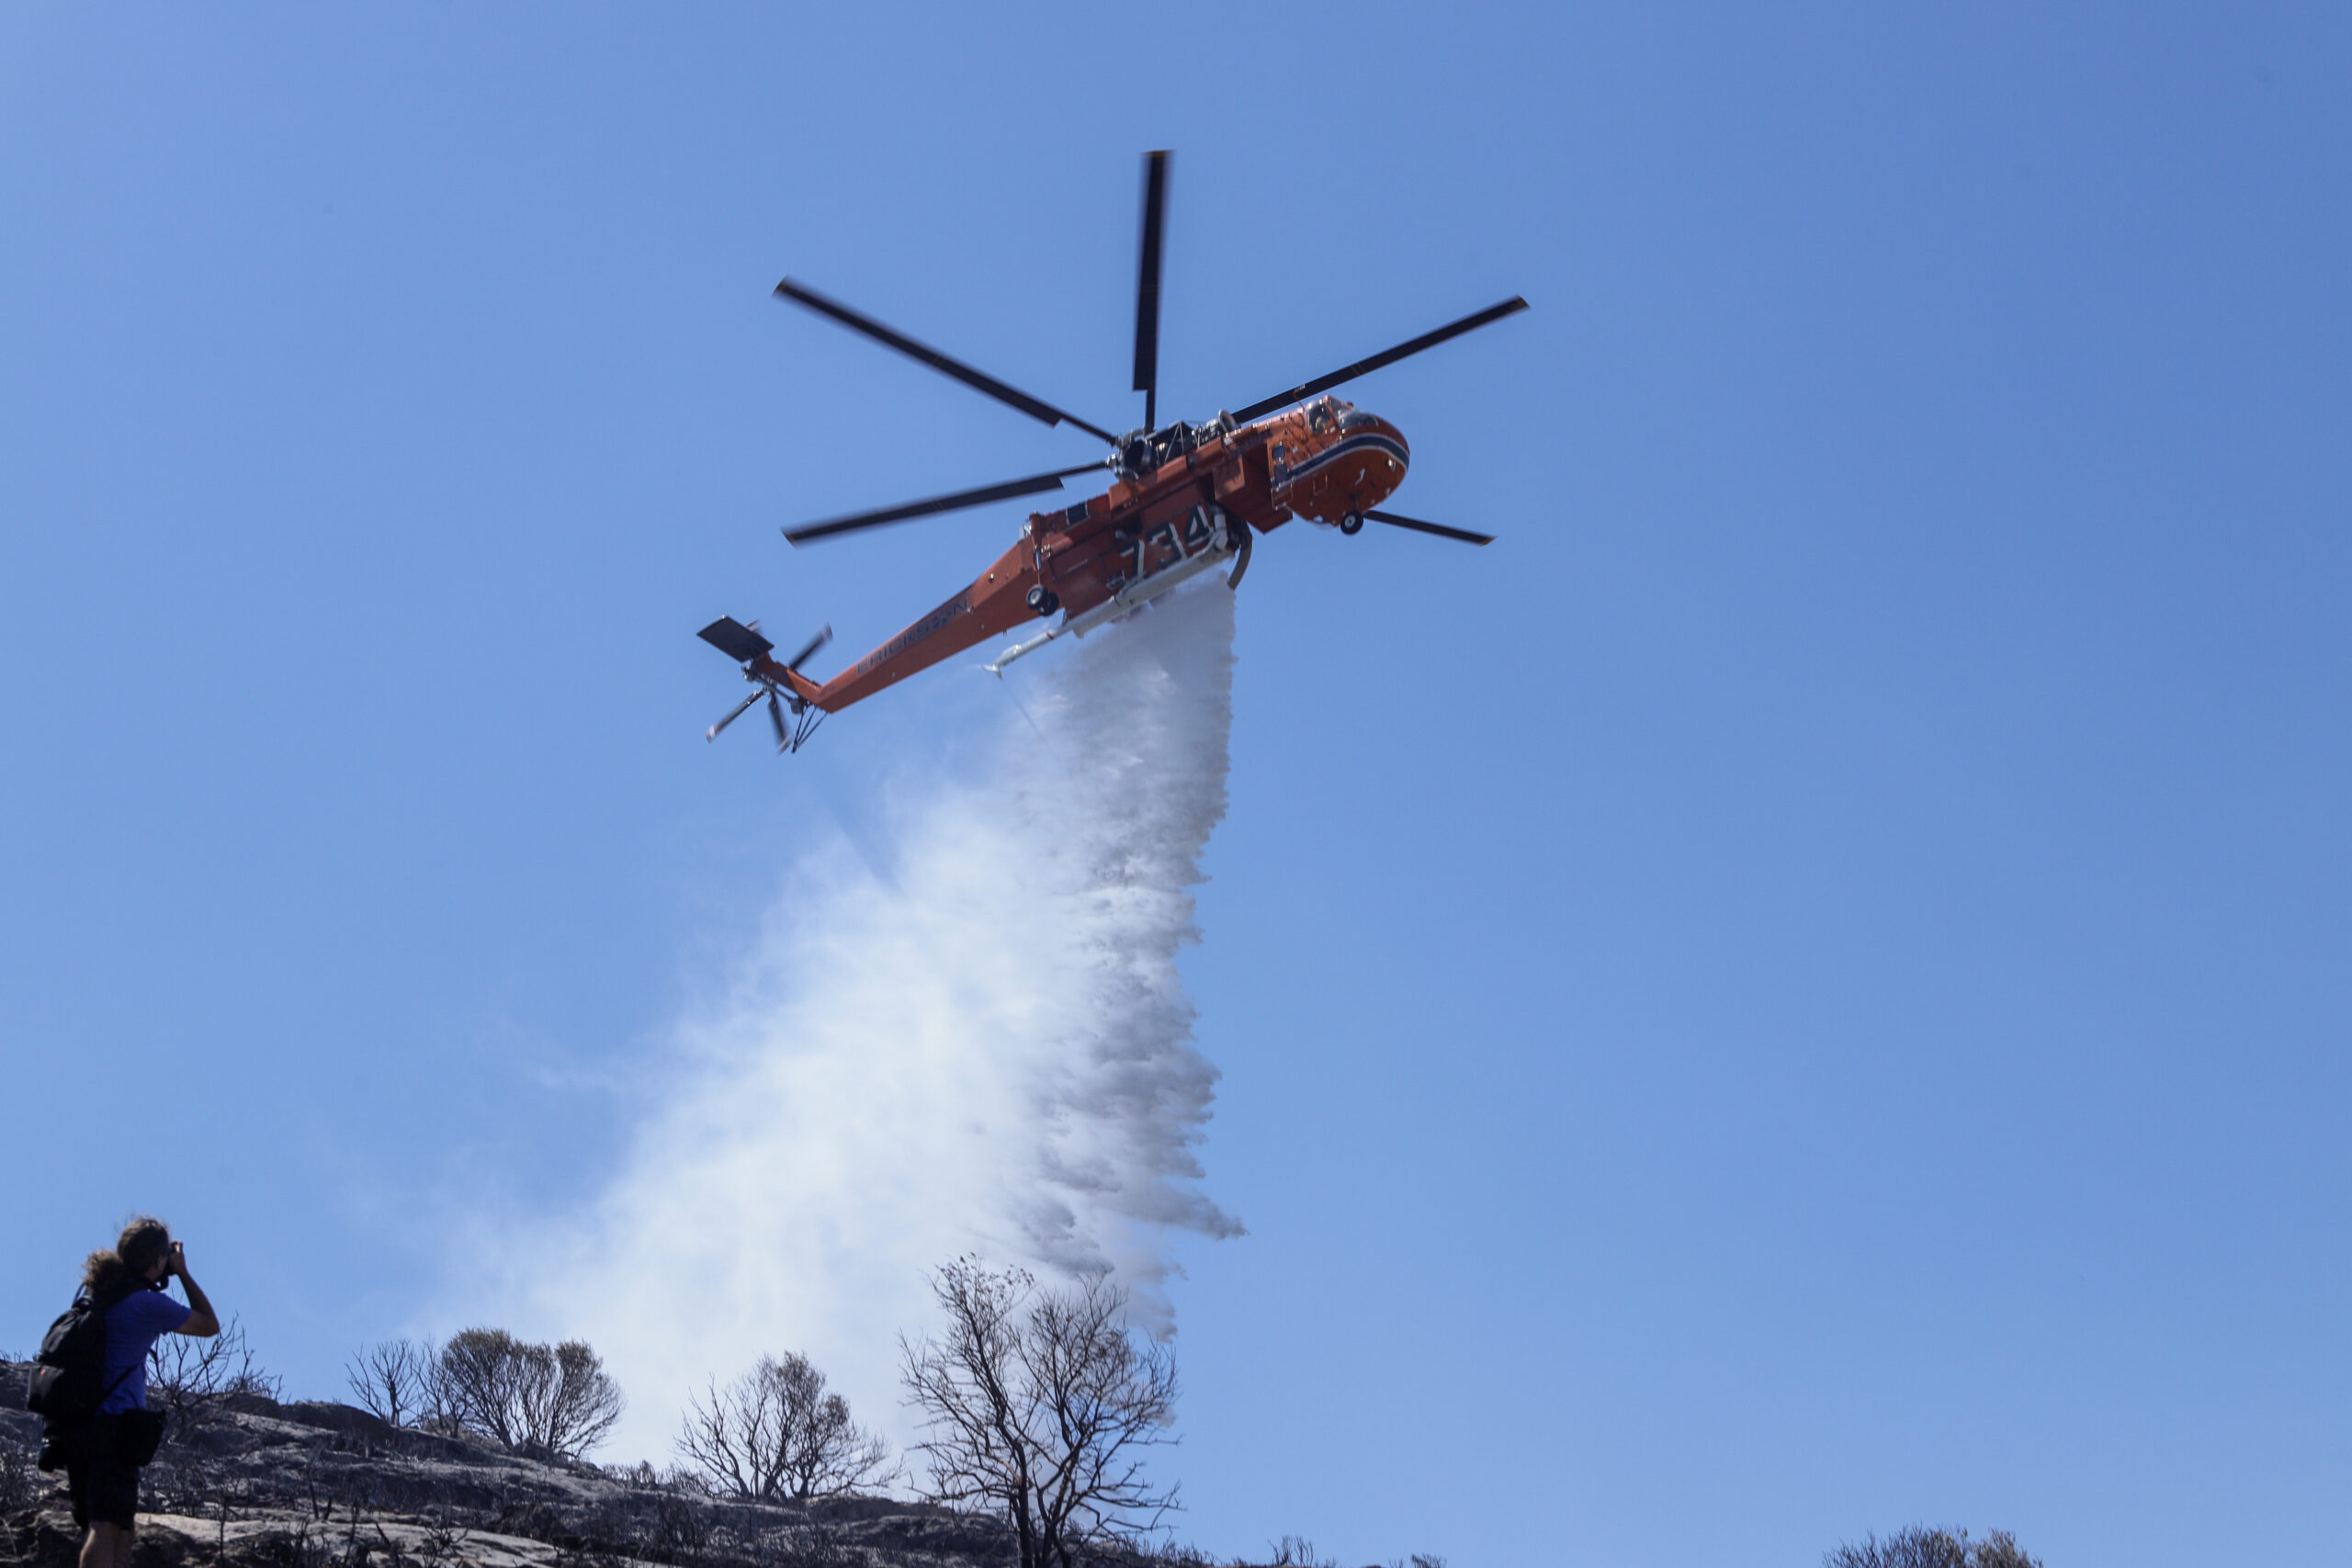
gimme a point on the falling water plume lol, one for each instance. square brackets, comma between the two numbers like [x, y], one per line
[991, 1052]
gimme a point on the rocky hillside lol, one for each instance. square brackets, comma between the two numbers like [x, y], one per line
[254, 1484]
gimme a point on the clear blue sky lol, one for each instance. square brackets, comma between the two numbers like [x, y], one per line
[1803, 990]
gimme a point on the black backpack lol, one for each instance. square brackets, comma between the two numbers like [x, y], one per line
[69, 1381]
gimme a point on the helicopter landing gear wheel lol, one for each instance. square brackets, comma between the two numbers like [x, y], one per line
[1351, 523]
[1044, 600]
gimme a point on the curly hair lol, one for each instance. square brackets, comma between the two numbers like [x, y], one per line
[143, 1241]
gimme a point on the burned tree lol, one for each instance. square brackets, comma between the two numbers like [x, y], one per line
[774, 1433]
[393, 1380]
[1918, 1546]
[1038, 1405]
[531, 1398]
[190, 1378]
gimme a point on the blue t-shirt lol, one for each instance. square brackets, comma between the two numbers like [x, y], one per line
[133, 1323]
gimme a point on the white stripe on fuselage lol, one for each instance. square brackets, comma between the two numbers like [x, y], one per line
[1388, 444]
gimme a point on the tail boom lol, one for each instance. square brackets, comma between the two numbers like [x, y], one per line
[995, 602]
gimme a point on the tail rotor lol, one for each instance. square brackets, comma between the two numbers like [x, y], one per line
[745, 645]
[738, 711]
[824, 635]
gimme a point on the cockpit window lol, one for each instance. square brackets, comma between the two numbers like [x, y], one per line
[1322, 415]
[1352, 420]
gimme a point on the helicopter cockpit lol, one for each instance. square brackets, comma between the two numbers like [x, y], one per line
[1326, 414]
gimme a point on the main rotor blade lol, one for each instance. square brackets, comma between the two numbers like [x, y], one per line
[955, 503]
[1362, 366]
[1034, 408]
[1440, 529]
[1154, 204]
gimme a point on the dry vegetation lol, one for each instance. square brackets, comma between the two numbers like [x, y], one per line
[1920, 1546]
[252, 1483]
[245, 1481]
[1038, 1409]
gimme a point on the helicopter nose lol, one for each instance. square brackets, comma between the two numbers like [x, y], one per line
[1372, 457]
[1363, 465]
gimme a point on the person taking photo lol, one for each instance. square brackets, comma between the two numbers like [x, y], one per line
[105, 1454]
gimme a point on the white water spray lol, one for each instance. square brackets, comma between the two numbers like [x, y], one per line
[991, 1053]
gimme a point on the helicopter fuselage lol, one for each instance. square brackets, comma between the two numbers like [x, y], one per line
[1182, 492]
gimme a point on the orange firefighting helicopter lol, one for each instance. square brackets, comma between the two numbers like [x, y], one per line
[1186, 497]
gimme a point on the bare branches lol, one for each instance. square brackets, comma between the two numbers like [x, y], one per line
[393, 1380]
[1917, 1546]
[1039, 1404]
[188, 1378]
[529, 1397]
[19, 1482]
[483, 1375]
[775, 1432]
[574, 1411]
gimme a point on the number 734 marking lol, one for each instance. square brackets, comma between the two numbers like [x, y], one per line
[1202, 527]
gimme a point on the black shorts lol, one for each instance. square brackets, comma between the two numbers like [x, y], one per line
[101, 1475]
